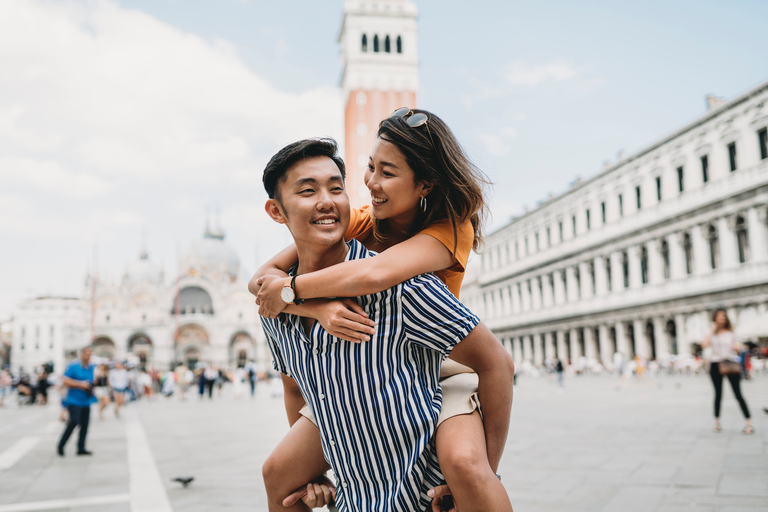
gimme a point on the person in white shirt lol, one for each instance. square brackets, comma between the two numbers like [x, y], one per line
[118, 381]
[725, 348]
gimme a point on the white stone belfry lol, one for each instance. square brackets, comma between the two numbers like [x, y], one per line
[380, 73]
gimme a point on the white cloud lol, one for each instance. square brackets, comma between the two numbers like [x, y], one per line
[522, 73]
[38, 176]
[498, 143]
[111, 119]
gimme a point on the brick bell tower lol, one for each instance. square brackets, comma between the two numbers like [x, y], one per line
[380, 73]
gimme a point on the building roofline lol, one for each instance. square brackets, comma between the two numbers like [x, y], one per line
[749, 94]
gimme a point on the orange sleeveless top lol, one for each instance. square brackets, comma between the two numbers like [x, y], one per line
[361, 225]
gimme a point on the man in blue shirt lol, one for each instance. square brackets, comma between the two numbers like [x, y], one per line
[79, 379]
[376, 404]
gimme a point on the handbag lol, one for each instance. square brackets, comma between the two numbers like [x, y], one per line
[729, 367]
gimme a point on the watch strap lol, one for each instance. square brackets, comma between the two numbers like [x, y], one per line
[296, 299]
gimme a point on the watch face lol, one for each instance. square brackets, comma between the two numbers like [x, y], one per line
[287, 294]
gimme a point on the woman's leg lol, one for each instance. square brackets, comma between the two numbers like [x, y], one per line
[717, 381]
[736, 385]
[103, 402]
[297, 460]
[118, 402]
[461, 451]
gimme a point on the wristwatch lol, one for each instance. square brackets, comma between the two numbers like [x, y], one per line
[288, 293]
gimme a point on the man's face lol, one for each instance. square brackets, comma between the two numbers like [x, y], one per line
[85, 355]
[313, 202]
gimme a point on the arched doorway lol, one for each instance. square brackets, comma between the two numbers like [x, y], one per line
[104, 347]
[191, 345]
[241, 349]
[191, 357]
[140, 346]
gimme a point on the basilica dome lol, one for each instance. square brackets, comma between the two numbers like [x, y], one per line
[143, 271]
[210, 257]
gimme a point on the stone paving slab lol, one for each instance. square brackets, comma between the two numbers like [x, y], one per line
[599, 444]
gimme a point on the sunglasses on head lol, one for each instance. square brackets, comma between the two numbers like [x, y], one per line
[414, 120]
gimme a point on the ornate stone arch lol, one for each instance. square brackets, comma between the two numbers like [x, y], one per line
[242, 348]
[103, 346]
[140, 345]
[192, 344]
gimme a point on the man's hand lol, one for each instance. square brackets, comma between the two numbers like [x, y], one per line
[316, 494]
[269, 300]
[442, 500]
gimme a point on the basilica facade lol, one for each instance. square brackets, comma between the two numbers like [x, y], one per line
[634, 260]
[204, 314]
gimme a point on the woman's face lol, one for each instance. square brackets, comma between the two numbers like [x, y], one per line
[395, 193]
[720, 319]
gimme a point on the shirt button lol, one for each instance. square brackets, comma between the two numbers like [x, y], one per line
[316, 351]
[344, 484]
[321, 396]
[333, 443]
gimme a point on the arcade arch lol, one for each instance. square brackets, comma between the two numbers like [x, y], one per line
[241, 349]
[141, 346]
[192, 345]
[103, 346]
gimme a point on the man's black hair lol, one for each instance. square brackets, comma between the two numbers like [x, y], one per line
[276, 169]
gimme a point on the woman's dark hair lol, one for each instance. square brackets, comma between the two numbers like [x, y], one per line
[728, 326]
[436, 157]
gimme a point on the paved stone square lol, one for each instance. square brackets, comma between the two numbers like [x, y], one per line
[599, 444]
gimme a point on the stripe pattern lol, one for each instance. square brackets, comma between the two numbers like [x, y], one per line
[376, 403]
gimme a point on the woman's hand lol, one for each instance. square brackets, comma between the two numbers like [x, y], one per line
[316, 494]
[343, 318]
[269, 300]
[442, 500]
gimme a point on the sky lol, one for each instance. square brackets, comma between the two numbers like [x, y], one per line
[125, 124]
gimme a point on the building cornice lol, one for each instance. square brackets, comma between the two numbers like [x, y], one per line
[581, 184]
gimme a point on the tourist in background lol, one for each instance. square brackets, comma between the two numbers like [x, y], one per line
[144, 383]
[200, 372]
[5, 385]
[118, 381]
[211, 374]
[101, 388]
[725, 350]
[559, 369]
[169, 383]
[79, 379]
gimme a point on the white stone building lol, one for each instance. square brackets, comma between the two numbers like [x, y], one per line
[204, 315]
[635, 259]
[44, 329]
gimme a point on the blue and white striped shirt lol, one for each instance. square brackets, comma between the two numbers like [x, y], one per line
[376, 403]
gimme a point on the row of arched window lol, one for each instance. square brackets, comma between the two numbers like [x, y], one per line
[614, 209]
[579, 281]
[387, 44]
